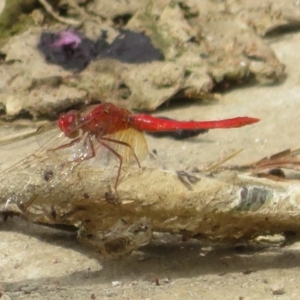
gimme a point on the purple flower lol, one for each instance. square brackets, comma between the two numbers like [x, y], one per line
[67, 37]
[67, 48]
[74, 51]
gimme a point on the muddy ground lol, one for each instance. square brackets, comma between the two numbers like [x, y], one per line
[38, 263]
[45, 264]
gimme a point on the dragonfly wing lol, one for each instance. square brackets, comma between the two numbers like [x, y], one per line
[60, 148]
[35, 175]
[129, 143]
[41, 171]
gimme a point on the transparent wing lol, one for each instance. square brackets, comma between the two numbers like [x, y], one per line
[129, 143]
[39, 172]
[58, 156]
[34, 175]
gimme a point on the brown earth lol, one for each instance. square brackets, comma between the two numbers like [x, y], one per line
[38, 263]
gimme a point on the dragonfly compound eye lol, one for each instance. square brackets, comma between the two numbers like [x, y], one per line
[68, 124]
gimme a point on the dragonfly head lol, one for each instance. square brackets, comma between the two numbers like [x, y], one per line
[68, 124]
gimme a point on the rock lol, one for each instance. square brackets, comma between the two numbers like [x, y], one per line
[278, 289]
[196, 46]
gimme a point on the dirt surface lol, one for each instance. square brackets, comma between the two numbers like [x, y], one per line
[165, 50]
[39, 263]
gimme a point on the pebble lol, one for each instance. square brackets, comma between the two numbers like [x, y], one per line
[278, 289]
[116, 283]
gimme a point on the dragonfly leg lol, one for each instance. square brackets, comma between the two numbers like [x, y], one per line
[124, 144]
[110, 197]
[87, 140]
[67, 145]
[24, 207]
[100, 140]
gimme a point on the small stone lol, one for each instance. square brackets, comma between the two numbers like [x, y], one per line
[116, 283]
[165, 280]
[278, 289]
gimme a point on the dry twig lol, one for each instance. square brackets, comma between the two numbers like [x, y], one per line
[69, 21]
[56, 16]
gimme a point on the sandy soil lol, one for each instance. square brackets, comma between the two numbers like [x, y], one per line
[38, 263]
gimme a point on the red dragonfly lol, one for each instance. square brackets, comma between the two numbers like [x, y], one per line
[121, 132]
